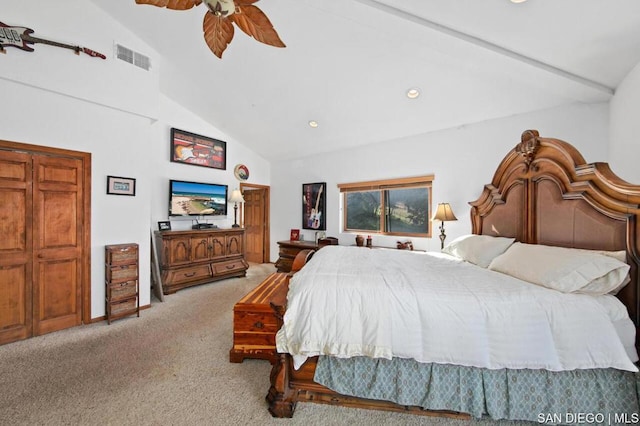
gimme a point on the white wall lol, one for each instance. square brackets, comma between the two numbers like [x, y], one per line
[113, 110]
[462, 160]
[624, 150]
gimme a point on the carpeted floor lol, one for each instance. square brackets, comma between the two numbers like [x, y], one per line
[168, 367]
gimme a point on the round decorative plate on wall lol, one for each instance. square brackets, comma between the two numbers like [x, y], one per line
[241, 171]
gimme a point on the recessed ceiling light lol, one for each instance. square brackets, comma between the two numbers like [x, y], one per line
[413, 93]
[518, 1]
[313, 124]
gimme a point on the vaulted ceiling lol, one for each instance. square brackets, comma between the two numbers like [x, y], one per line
[349, 63]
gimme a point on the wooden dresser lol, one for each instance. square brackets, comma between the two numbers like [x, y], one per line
[121, 281]
[288, 251]
[189, 258]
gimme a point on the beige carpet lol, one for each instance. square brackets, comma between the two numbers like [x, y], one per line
[168, 367]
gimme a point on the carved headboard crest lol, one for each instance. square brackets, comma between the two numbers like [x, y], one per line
[528, 146]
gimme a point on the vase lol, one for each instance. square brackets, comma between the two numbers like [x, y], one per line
[359, 240]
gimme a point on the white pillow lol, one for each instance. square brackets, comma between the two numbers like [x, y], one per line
[563, 269]
[478, 249]
[597, 287]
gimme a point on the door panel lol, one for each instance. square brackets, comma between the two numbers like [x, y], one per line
[57, 295]
[15, 246]
[254, 220]
[58, 228]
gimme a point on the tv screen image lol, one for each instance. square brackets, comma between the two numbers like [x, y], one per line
[197, 199]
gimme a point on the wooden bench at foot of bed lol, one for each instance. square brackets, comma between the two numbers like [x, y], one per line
[254, 322]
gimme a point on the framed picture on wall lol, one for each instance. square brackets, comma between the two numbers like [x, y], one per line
[314, 213]
[117, 185]
[189, 148]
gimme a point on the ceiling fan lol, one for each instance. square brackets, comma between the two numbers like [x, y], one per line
[219, 20]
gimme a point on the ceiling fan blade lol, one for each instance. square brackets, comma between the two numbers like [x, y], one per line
[172, 4]
[218, 33]
[255, 23]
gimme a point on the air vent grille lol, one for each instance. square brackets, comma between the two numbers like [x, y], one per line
[133, 57]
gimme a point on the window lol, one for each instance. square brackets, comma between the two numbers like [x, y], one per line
[390, 207]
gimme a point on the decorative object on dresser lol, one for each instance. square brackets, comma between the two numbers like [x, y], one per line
[407, 245]
[254, 322]
[164, 225]
[235, 198]
[189, 258]
[121, 280]
[327, 241]
[444, 213]
[294, 235]
[288, 251]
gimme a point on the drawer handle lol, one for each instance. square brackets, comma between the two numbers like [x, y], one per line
[259, 324]
[190, 274]
[230, 266]
[123, 284]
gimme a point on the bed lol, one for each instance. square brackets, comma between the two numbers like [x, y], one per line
[543, 200]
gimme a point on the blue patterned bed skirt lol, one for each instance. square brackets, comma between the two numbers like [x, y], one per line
[606, 396]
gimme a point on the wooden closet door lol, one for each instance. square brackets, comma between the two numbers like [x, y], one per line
[254, 224]
[15, 246]
[57, 243]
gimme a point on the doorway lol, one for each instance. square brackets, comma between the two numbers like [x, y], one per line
[45, 240]
[256, 221]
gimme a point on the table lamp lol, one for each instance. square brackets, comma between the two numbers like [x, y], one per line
[443, 214]
[235, 198]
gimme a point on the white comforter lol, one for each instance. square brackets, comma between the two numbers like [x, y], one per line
[351, 301]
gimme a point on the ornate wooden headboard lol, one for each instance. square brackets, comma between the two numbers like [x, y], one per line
[543, 192]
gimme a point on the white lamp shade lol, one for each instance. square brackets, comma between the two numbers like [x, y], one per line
[444, 213]
[236, 196]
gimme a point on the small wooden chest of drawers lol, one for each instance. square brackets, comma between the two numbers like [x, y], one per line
[254, 322]
[121, 281]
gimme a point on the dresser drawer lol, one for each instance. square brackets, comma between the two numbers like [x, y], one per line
[122, 290]
[229, 266]
[123, 254]
[191, 273]
[122, 306]
[122, 272]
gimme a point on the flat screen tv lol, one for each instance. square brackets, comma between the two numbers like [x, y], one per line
[197, 199]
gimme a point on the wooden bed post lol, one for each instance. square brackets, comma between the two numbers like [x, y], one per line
[281, 398]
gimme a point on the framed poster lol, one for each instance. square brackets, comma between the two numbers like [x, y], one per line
[189, 148]
[313, 206]
[121, 185]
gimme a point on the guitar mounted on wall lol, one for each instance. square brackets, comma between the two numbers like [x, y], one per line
[21, 37]
[314, 218]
